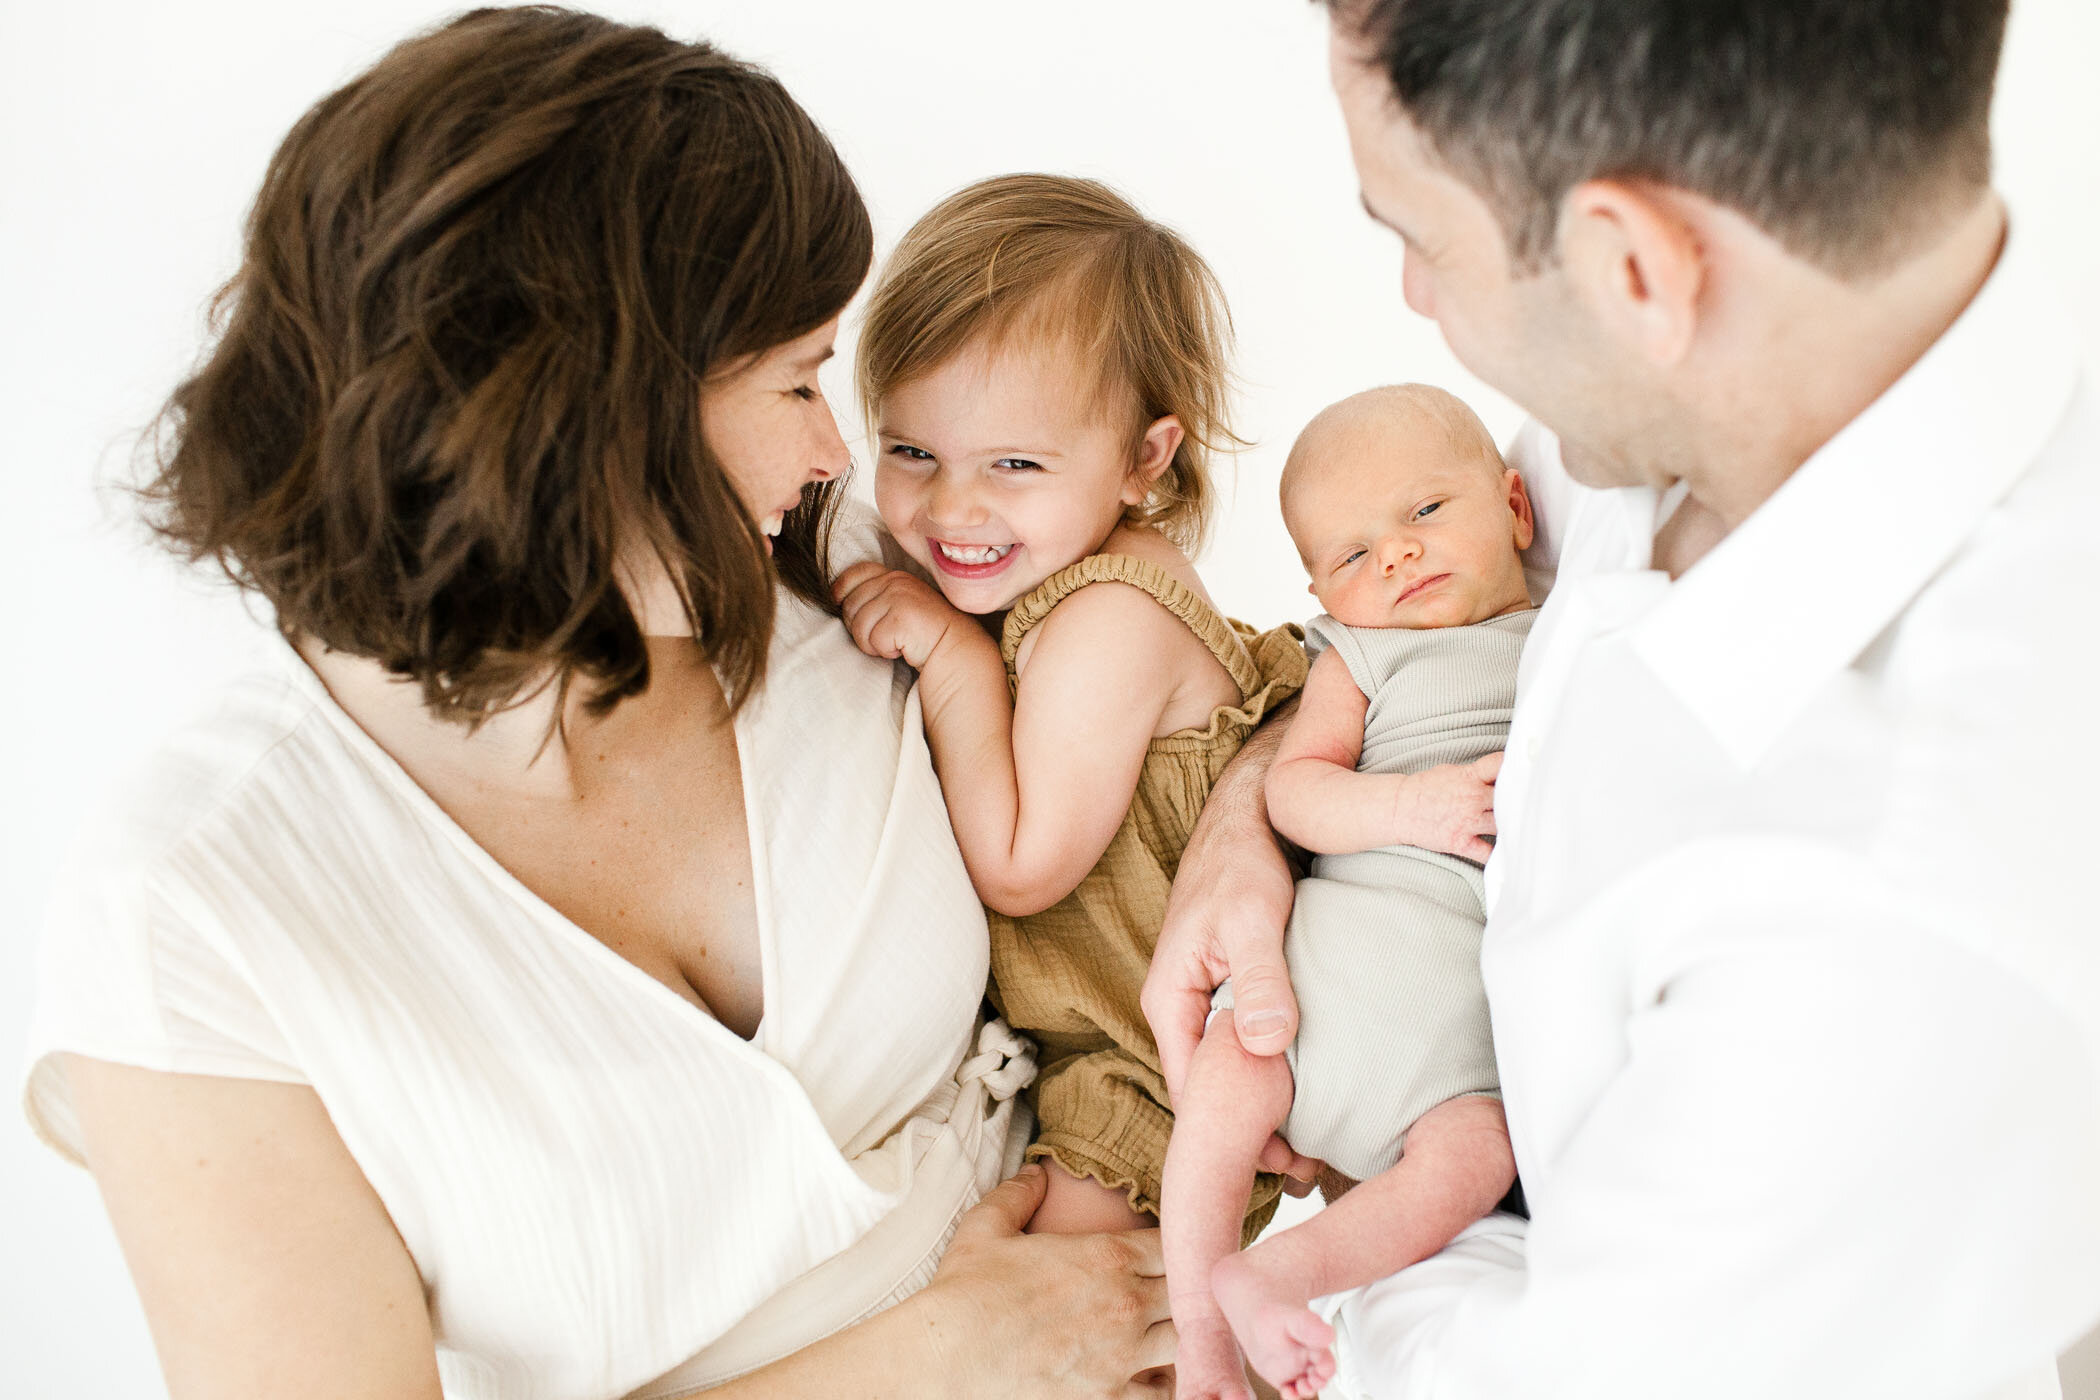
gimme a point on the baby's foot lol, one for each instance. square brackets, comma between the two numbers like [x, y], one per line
[1207, 1361]
[1291, 1348]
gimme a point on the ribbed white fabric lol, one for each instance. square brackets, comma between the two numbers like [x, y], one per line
[596, 1179]
[1791, 950]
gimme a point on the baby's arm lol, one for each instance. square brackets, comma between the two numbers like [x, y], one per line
[1319, 800]
[1037, 785]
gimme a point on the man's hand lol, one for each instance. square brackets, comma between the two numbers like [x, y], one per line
[1450, 808]
[1225, 918]
[893, 615]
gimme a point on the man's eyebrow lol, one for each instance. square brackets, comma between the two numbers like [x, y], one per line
[1382, 221]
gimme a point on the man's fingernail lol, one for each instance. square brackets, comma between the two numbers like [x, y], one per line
[1261, 1023]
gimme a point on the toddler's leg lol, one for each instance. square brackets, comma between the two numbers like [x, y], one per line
[1457, 1165]
[1229, 1105]
[1080, 1205]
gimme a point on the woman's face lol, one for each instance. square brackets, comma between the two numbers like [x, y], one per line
[767, 423]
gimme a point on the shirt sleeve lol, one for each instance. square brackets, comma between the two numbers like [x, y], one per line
[121, 977]
[1844, 1155]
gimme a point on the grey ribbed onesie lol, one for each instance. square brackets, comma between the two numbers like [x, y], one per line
[1384, 945]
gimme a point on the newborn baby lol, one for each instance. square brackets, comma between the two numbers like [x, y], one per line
[1410, 525]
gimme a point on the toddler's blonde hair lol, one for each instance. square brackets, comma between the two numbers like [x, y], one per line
[1071, 260]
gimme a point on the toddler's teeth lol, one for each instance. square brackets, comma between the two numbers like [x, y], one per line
[979, 554]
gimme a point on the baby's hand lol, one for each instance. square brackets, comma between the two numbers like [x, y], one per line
[892, 615]
[1451, 808]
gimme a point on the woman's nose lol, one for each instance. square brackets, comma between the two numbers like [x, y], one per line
[830, 448]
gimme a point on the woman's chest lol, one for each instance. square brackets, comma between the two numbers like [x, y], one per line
[656, 865]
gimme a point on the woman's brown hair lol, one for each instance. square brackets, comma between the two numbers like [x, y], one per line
[1068, 260]
[459, 369]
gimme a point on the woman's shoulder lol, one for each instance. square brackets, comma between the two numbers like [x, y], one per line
[242, 767]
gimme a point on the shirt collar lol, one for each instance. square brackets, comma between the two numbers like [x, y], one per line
[1750, 634]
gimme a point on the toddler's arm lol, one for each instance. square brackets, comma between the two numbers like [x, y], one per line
[1319, 800]
[1036, 785]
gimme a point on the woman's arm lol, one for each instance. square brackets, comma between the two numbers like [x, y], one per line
[265, 1261]
[268, 1266]
[1319, 800]
[1037, 785]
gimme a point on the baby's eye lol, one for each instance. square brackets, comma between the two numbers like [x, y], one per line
[1429, 509]
[1018, 464]
[910, 453]
[1350, 558]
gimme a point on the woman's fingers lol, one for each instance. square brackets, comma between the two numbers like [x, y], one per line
[1006, 1208]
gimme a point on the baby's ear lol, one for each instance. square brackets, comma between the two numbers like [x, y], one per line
[1155, 454]
[1520, 507]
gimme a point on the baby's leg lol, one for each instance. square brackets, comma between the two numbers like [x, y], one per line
[1229, 1105]
[1456, 1167]
[1080, 1205]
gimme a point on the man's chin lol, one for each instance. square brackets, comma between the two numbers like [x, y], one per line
[1594, 469]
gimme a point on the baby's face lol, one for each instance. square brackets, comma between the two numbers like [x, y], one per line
[995, 470]
[1398, 536]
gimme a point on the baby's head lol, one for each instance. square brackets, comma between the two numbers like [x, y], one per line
[1040, 364]
[1405, 514]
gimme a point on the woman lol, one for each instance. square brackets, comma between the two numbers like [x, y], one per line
[558, 979]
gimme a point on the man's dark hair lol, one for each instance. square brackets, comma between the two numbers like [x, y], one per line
[1842, 127]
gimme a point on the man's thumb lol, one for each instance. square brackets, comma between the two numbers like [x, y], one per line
[1263, 1010]
[1007, 1208]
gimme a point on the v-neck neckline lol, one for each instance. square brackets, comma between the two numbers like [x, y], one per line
[433, 815]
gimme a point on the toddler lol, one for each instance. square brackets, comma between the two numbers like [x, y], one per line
[1410, 525]
[1044, 372]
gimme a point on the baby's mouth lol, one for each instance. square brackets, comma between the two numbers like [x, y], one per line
[974, 555]
[1420, 586]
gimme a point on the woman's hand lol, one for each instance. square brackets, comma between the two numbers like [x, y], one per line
[1047, 1317]
[892, 615]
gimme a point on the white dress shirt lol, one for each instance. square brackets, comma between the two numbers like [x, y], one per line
[1793, 953]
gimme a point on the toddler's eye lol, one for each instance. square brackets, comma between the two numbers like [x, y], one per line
[910, 453]
[1350, 558]
[1429, 509]
[1018, 464]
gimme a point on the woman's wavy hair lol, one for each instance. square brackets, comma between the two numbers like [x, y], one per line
[458, 372]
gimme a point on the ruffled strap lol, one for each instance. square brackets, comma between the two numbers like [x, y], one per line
[1162, 587]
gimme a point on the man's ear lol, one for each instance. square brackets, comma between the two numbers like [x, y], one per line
[1155, 454]
[1520, 507]
[1633, 255]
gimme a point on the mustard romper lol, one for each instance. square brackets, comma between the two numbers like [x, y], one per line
[1069, 976]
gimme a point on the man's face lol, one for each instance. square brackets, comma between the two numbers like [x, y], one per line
[1527, 335]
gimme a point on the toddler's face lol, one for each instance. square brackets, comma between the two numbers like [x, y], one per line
[1394, 536]
[996, 470]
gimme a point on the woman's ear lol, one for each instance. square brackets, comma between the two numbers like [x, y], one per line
[1519, 507]
[1633, 254]
[1155, 454]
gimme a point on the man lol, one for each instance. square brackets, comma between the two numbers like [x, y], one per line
[1794, 974]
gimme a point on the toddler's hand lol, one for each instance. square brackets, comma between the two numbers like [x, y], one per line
[1451, 808]
[893, 615]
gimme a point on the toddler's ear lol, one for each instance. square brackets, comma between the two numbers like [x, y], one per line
[1154, 455]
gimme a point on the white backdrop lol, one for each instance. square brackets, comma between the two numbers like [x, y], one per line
[135, 134]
